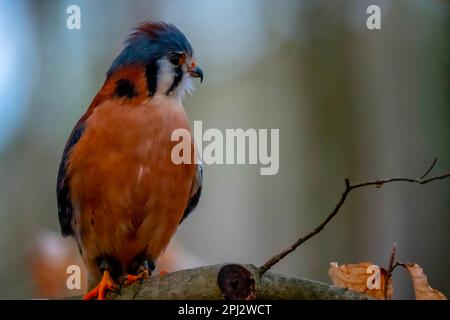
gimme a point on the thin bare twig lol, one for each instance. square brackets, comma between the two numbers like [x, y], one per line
[392, 259]
[396, 265]
[390, 268]
[429, 169]
[348, 188]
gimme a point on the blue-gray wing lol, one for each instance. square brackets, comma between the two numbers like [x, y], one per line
[196, 191]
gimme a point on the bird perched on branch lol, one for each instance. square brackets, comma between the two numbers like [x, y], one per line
[119, 192]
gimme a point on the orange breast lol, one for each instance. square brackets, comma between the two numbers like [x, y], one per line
[128, 194]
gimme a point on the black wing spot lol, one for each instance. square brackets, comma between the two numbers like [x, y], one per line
[125, 88]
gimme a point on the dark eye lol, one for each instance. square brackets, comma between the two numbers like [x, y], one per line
[175, 58]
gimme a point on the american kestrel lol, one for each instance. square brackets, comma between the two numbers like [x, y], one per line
[119, 193]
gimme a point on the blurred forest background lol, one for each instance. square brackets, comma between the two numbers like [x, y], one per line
[349, 102]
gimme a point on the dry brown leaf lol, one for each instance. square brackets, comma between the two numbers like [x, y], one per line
[422, 289]
[356, 277]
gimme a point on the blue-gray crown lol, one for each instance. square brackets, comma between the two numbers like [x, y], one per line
[150, 42]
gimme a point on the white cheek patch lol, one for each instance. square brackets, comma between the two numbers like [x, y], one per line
[166, 77]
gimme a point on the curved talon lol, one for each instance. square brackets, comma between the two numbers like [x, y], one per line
[106, 284]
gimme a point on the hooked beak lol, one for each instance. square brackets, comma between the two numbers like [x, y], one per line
[197, 73]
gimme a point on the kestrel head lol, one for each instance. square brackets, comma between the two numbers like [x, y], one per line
[167, 56]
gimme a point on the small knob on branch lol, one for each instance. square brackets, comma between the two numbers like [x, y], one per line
[236, 282]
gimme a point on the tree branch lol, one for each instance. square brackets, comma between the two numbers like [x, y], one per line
[348, 188]
[230, 281]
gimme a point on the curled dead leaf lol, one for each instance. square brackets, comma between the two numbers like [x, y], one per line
[422, 289]
[363, 277]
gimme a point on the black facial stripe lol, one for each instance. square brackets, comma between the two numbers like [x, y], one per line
[125, 88]
[176, 80]
[151, 73]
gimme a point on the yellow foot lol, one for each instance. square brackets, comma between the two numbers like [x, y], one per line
[106, 284]
[130, 278]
